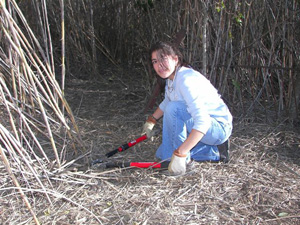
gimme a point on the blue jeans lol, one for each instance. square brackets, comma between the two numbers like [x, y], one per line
[178, 123]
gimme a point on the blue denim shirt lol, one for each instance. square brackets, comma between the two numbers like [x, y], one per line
[200, 96]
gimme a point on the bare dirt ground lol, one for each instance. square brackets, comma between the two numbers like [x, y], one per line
[260, 184]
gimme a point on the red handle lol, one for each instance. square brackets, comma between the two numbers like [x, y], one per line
[138, 140]
[164, 164]
[126, 146]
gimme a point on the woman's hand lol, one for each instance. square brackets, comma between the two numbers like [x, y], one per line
[151, 121]
[148, 126]
[177, 165]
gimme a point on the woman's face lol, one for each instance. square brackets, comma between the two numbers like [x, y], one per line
[164, 65]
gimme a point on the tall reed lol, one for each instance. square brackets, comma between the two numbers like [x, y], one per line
[248, 49]
[30, 99]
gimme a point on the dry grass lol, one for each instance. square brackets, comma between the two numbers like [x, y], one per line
[259, 186]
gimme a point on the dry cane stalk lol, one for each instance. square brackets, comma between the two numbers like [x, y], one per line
[47, 29]
[8, 109]
[204, 40]
[14, 179]
[63, 68]
[15, 146]
[58, 92]
[31, 79]
[51, 78]
[49, 93]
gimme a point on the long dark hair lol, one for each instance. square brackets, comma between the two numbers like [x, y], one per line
[170, 49]
[164, 48]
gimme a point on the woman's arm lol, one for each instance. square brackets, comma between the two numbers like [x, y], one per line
[178, 162]
[158, 113]
[194, 137]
